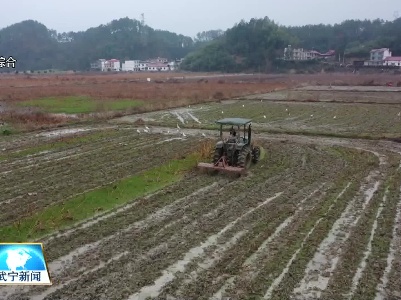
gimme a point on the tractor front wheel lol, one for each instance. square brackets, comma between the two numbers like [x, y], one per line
[256, 154]
[245, 158]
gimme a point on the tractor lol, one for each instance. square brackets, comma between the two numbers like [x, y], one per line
[236, 153]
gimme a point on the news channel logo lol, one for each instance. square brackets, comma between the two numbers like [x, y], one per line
[23, 264]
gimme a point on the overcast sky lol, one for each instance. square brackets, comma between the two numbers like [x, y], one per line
[189, 17]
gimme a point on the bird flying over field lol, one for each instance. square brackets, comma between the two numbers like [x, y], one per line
[335, 117]
[138, 131]
[264, 117]
[399, 114]
[203, 134]
[178, 126]
[183, 134]
[147, 128]
[311, 115]
[222, 112]
[243, 105]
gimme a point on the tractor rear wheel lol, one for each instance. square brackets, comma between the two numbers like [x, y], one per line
[256, 154]
[218, 153]
[245, 158]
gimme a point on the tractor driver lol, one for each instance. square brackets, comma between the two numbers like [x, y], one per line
[233, 134]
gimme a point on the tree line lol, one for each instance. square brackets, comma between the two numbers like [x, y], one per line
[254, 45]
[38, 48]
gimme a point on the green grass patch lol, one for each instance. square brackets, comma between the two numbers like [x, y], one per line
[78, 104]
[105, 198]
[122, 104]
[6, 131]
[262, 154]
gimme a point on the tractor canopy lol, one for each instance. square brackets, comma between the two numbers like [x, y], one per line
[234, 121]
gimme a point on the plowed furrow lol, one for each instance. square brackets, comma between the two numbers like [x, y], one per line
[65, 187]
[28, 174]
[322, 266]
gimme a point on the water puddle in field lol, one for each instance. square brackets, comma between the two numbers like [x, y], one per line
[395, 245]
[368, 251]
[179, 117]
[322, 265]
[64, 115]
[57, 265]
[54, 288]
[169, 274]
[219, 294]
[62, 132]
[194, 118]
[211, 259]
[169, 140]
[250, 260]
[279, 279]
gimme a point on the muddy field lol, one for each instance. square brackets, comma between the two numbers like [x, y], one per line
[358, 112]
[317, 218]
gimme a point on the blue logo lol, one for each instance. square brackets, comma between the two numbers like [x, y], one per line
[23, 264]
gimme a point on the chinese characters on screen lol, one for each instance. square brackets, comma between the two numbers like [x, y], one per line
[22, 276]
[7, 62]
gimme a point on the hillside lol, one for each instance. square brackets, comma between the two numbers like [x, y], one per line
[256, 44]
[37, 47]
[247, 46]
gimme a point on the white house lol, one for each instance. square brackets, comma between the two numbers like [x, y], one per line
[378, 57]
[382, 57]
[173, 65]
[112, 65]
[157, 67]
[99, 65]
[158, 60]
[392, 61]
[131, 65]
[303, 54]
[143, 66]
[379, 54]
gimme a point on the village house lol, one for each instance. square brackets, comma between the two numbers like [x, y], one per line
[303, 54]
[106, 65]
[98, 65]
[158, 60]
[173, 65]
[378, 56]
[392, 61]
[113, 65]
[154, 65]
[131, 66]
[143, 66]
[158, 67]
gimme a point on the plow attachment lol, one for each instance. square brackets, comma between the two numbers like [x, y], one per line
[222, 166]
